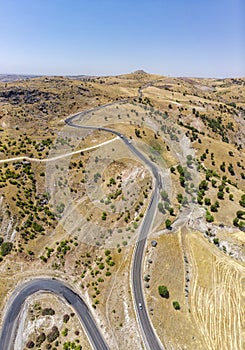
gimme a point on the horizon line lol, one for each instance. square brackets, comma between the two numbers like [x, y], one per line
[37, 75]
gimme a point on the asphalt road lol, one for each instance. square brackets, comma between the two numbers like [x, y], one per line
[10, 324]
[150, 338]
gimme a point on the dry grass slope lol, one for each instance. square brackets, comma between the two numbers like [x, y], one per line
[168, 119]
[217, 301]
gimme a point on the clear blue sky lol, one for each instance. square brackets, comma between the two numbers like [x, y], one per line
[171, 37]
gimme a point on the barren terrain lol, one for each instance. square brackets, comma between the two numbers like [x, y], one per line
[72, 202]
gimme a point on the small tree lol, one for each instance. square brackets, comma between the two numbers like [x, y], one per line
[182, 180]
[163, 291]
[220, 195]
[40, 339]
[213, 208]
[176, 305]
[54, 334]
[168, 223]
[203, 185]
[48, 311]
[171, 211]
[137, 133]
[161, 208]
[30, 344]
[213, 182]
[216, 241]
[179, 198]
[240, 214]
[209, 217]
[104, 216]
[164, 196]
[231, 169]
[222, 167]
[241, 225]
[242, 200]
[207, 201]
[66, 318]
[6, 248]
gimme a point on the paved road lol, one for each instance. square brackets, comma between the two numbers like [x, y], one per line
[150, 338]
[55, 286]
[151, 341]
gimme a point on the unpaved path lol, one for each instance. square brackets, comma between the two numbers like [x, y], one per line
[57, 157]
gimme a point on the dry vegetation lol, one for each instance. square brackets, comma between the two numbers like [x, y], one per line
[47, 320]
[77, 215]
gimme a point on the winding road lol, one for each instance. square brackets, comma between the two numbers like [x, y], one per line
[150, 339]
[149, 336]
[18, 299]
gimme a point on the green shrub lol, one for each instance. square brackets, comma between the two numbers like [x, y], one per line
[65, 332]
[6, 248]
[30, 344]
[242, 200]
[40, 339]
[66, 318]
[48, 311]
[240, 214]
[53, 335]
[176, 305]
[163, 291]
[104, 215]
[209, 217]
[216, 241]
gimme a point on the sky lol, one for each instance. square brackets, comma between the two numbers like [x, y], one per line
[198, 38]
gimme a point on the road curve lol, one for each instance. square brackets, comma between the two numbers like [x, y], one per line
[10, 323]
[150, 338]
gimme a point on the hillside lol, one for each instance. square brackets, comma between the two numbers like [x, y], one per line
[72, 201]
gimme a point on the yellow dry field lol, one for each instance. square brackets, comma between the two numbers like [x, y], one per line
[175, 328]
[212, 317]
[217, 296]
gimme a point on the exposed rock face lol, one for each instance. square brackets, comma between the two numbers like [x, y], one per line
[18, 95]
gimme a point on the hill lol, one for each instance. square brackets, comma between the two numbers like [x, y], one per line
[72, 201]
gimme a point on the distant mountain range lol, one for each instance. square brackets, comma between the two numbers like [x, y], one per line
[13, 77]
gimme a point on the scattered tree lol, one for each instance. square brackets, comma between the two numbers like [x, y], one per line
[168, 223]
[163, 291]
[176, 305]
[6, 248]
